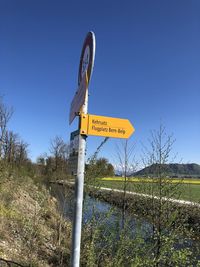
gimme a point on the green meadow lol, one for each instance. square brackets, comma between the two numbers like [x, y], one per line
[185, 189]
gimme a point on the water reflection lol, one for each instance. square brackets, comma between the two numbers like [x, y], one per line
[108, 218]
[101, 213]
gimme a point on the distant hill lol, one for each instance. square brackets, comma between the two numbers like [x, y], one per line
[172, 170]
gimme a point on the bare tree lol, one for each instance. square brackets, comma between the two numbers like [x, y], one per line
[22, 153]
[127, 164]
[163, 214]
[57, 163]
[57, 150]
[5, 115]
[14, 149]
[11, 142]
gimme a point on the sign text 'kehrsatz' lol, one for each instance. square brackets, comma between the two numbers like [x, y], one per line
[105, 126]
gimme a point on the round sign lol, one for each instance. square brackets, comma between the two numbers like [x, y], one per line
[87, 57]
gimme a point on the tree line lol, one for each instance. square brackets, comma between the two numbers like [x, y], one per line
[13, 149]
[53, 165]
[163, 242]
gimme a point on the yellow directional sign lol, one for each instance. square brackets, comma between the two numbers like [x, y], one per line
[105, 126]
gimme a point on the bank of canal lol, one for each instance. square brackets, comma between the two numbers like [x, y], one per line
[104, 207]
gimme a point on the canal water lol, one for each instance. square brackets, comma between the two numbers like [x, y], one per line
[98, 211]
[109, 217]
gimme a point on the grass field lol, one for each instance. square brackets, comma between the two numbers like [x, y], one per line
[186, 189]
[148, 180]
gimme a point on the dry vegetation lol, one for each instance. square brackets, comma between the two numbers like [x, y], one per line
[29, 223]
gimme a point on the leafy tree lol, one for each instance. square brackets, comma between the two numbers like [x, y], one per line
[41, 160]
[99, 168]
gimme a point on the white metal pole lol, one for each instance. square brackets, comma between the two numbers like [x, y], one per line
[78, 202]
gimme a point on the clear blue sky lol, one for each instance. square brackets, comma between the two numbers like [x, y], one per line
[147, 68]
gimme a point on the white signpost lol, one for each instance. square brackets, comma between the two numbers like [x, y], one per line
[88, 125]
[80, 104]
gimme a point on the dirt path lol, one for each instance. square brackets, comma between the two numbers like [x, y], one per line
[182, 202]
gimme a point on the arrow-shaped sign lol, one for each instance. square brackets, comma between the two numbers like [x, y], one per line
[106, 126]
